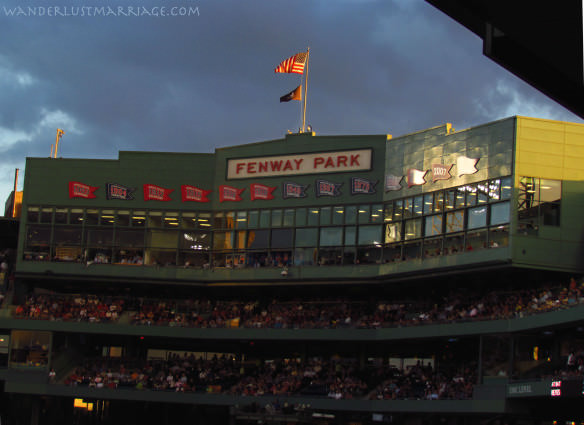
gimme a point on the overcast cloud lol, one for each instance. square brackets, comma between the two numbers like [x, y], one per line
[195, 83]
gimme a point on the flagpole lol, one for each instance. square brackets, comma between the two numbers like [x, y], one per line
[305, 91]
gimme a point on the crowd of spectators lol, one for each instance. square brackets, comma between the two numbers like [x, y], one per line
[78, 308]
[335, 378]
[457, 306]
[365, 314]
[423, 382]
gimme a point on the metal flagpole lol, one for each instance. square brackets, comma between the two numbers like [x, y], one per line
[305, 91]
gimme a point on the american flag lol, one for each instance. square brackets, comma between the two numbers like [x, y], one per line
[294, 64]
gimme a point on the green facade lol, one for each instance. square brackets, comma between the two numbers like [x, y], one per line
[433, 225]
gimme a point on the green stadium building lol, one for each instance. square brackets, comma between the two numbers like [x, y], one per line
[430, 278]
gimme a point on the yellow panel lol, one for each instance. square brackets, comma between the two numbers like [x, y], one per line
[549, 149]
[574, 150]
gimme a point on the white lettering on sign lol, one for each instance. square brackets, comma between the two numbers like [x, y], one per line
[310, 163]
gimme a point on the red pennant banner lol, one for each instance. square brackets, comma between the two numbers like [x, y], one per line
[156, 193]
[194, 194]
[259, 191]
[81, 190]
[229, 193]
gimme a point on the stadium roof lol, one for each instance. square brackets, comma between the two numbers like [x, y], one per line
[540, 42]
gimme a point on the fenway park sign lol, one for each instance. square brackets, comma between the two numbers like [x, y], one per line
[310, 163]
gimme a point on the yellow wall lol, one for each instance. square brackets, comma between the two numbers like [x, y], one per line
[549, 149]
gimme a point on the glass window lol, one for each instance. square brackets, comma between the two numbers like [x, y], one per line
[369, 255]
[188, 220]
[450, 200]
[230, 220]
[471, 195]
[155, 219]
[171, 220]
[438, 201]
[138, 218]
[388, 213]
[33, 214]
[376, 213]
[204, 220]
[127, 238]
[369, 235]
[351, 214]
[392, 232]
[258, 239]
[460, 197]
[30, 349]
[288, 218]
[67, 235]
[325, 216]
[428, 202]
[483, 194]
[198, 241]
[76, 216]
[418, 205]
[282, 238]
[313, 217]
[163, 238]
[364, 214]
[240, 239]
[61, 216]
[413, 229]
[498, 236]
[123, 218]
[252, 219]
[338, 215]
[46, 215]
[219, 220]
[38, 235]
[305, 256]
[495, 190]
[306, 237]
[98, 237]
[454, 221]
[350, 236]
[107, 217]
[477, 217]
[300, 217]
[433, 225]
[241, 220]
[276, 218]
[331, 236]
[500, 213]
[408, 209]
[264, 219]
[398, 210]
[223, 240]
[506, 187]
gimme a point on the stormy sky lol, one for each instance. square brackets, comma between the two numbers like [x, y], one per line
[117, 75]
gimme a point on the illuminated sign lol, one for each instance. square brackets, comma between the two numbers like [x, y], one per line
[310, 163]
